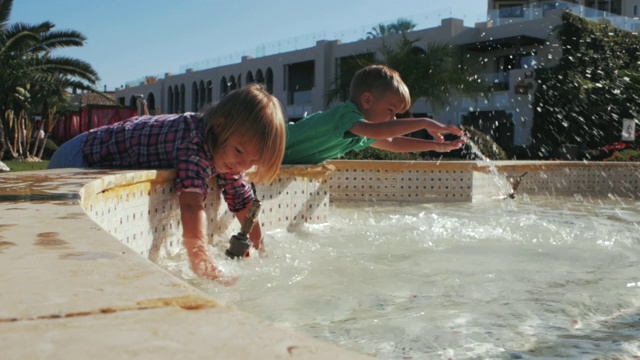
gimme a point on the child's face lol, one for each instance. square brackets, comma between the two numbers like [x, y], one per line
[381, 108]
[236, 156]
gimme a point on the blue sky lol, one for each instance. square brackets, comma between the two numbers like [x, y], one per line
[130, 39]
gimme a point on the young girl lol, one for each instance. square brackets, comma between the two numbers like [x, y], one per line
[245, 129]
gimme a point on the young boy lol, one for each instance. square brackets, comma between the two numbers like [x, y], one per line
[245, 129]
[368, 118]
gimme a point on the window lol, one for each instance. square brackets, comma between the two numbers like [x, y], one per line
[511, 10]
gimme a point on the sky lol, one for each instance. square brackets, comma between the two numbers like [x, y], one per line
[130, 39]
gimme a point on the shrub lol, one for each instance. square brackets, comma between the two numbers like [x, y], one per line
[625, 155]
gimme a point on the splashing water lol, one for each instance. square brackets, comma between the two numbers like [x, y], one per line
[500, 180]
[534, 278]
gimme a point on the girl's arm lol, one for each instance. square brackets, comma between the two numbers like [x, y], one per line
[194, 234]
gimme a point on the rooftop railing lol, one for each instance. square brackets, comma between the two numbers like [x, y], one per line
[514, 14]
[422, 20]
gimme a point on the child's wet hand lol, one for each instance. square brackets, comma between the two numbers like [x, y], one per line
[438, 137]
[262, 252]
[458, 143]
[227, 280]
[455, 130]
[202, 266]
[453, 145]
[215, 274]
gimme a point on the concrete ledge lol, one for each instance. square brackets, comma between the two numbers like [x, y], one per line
[71, 291]
[463, 181]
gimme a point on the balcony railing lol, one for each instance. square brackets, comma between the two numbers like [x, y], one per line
[537, 11]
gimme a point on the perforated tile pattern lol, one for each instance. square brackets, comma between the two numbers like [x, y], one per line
[410, 185]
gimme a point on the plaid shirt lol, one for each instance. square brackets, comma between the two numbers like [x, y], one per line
[165, 141]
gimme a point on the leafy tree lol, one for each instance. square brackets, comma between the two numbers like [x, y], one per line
[584, 98]
[378, 31]
[401, 26]
[31, 78]
[435, 73]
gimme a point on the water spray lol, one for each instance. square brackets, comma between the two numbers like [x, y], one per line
[239, 243]
[515, 183]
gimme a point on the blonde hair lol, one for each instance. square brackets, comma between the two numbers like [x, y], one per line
[256, 115]
[379, 80]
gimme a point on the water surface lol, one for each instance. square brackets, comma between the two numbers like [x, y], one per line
[534, 278]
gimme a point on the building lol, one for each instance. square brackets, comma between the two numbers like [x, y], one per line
[515, 39]
[627, 8]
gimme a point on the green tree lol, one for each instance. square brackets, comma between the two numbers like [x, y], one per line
[32, 79]
[595, 85]
[401, 26]
[378, 31]
[434, 73]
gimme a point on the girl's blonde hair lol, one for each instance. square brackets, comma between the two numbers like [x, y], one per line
[256, 115]
[379, 80]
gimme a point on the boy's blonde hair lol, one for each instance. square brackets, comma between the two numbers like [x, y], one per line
[379, 80]
[256, 115]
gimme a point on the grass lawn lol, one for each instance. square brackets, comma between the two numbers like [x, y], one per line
[26, 165]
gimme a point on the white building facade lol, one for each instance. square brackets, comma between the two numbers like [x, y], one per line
[514, 41]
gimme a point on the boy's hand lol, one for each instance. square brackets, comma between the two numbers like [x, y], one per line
[452, 145]
[437, 129]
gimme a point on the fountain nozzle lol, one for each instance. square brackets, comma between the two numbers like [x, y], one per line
[239, 243]
[515, 183]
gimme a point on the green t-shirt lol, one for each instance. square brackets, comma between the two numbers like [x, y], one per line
[324, 135]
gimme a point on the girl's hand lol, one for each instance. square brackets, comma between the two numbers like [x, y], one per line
[202, 266]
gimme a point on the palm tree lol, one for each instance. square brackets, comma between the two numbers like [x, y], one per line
[378, 31]
[401, 26]
[27, 65]
[435, 73]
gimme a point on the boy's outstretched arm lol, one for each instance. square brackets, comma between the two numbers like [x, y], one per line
[409, 144]
[399, 127]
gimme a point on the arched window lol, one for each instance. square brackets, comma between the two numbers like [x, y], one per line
[250, 77]
[269, 80]
[170, 100]
[176, 99]
[151, 103]
[203, 95]
[209, 92]
[232, 83]
[182, 98]
[259, 77]
[194, 96]
[224, 87]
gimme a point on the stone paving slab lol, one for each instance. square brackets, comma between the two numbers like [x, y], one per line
[163, 333]
[72, 291]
